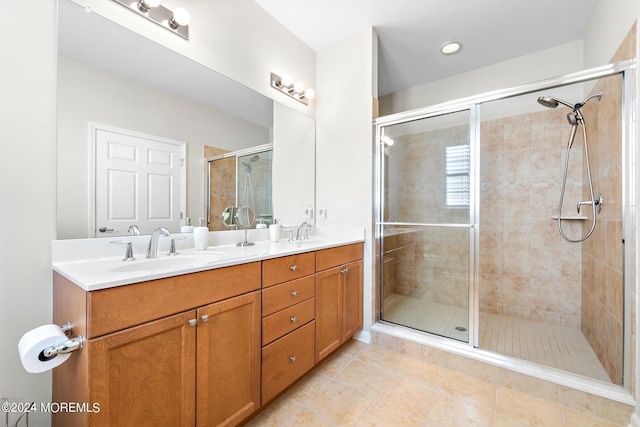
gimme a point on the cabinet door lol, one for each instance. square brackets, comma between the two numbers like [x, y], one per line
[145, 375]
[328, 312]
[228, 360]
[352, 287]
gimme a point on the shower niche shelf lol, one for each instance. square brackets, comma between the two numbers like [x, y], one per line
[570, 218]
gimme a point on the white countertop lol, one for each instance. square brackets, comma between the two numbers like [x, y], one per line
[95, 264]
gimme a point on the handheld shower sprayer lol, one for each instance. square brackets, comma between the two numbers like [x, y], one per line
[575, 118]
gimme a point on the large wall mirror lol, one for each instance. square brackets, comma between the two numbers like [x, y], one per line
[111, 76]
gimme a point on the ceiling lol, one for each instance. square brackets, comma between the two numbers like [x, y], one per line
[411, 32]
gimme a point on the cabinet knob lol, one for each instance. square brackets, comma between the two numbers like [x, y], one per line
[193, 322]
[204, 318]
[293, 267]
[293, 359]
[345, 271]
[294, 293]
[294, 319]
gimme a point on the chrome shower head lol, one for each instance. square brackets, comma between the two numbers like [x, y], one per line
[547, 101]
[551, 102]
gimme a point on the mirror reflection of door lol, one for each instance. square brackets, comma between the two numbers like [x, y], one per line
[139, 179]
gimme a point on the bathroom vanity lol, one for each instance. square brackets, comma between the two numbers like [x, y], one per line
[208, 344]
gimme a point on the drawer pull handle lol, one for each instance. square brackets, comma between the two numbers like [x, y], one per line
[293, 267]
[345, 271]
[294, 293]
[204, 318]
[294, 319]
[293, 359]
[193, 322]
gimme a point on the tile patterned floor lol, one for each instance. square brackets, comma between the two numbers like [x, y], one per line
[554, 346]
[368, 385]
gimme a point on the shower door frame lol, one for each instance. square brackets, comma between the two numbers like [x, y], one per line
[472, 104]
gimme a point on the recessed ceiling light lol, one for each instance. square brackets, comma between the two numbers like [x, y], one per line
[450, 48]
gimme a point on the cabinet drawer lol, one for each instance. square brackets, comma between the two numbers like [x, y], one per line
[286, 360]
[287, 268]
[332, 257]
[121, 307]
[286, 294]
[285, 321]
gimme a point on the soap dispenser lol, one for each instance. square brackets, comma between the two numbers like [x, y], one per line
[187, 227]
[201, 235]
[274, 231]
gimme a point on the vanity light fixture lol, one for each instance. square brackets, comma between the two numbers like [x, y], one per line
[449, 48]
[295, 90]
[176, 21]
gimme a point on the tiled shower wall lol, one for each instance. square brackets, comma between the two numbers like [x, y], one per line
[427, 263]
[526, 269]
[602, 293]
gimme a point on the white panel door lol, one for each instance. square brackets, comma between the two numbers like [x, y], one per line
[138, 181]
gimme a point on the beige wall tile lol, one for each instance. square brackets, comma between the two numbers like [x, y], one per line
[594, 405]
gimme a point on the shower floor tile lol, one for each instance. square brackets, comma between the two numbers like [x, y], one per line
[554, 346]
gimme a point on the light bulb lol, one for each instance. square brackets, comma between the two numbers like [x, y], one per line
[286, 80]
[180, 18]
[310, 94]
[298, 87]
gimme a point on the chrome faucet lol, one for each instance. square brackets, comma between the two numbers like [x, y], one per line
[152, 249]
[304, 224]
[134, 230]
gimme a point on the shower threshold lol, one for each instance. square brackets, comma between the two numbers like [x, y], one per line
[557, 347]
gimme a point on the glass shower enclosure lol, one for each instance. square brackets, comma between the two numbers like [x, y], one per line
[468, 247]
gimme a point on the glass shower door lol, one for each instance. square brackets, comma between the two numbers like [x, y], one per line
[425, 224]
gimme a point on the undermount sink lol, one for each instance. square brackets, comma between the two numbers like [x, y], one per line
[164, 263]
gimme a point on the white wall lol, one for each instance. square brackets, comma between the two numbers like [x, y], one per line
[294, 137]
[87, 94]
[27, 189]
[549, 63]
[610, 22]
[346, 82]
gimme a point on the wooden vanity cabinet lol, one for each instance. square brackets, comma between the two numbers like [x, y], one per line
[339, 281]
[228, 361]
[288, 326]
[144, 375]
[207, 348]
[191, 356]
